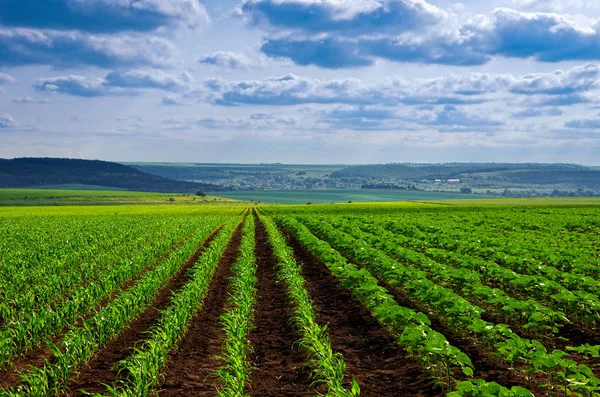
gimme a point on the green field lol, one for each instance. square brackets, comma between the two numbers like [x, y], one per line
[33, 197]
[324, 196]
[454, 295]
[75, 186]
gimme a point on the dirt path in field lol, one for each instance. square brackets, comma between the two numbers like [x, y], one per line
[192, 365]
[9, 376]
[375, 360]
[100, 370]
[278, 362]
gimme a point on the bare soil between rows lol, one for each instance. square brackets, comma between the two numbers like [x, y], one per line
[372, 357]
[100, 370]
[277, 359]
[190, 370]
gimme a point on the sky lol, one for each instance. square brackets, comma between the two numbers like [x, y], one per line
[301, 81]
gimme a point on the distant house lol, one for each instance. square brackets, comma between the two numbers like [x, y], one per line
[453, 180]
[438, 181]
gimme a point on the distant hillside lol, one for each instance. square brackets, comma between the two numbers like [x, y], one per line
[30, 172]
[379, 171]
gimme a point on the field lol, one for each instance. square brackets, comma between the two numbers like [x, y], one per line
[407, 299]
[88, 196]
[326, 196]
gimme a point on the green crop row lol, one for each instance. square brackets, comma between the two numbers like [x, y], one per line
[411, 329]
[532, 356]
[238, 320]
[328, 367]
[141, 371]
[81, 343]
[38, 327]
[533, 315]
[580, 306]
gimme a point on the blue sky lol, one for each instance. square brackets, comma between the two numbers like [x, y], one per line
[301, 81]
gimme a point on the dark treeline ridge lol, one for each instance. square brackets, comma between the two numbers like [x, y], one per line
[32, 172]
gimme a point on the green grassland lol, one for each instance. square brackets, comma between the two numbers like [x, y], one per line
[28, 197]
[323, 196]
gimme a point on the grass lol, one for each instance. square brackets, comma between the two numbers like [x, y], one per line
[325, 196]
[44, 197]
[524, 201]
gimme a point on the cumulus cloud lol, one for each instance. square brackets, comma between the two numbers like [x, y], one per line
[229, 60]
[7, 121]
[559, 88]
[115, 83]
[71, 49]
[156, 79]
[102, 16]
[74, 85]
[350, 17]
[334, 34]
[246, 124]
[555, 5]
[578, 79]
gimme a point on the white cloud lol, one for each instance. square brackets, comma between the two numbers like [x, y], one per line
[229, 60]
[73, 49]
[115, 83]
[7, 121]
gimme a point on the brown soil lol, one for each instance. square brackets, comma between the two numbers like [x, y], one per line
[192, 365]
[36, 357]
[100, 370]
[377, 363]
[278, 362]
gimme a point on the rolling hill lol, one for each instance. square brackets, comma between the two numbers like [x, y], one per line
[34, 172]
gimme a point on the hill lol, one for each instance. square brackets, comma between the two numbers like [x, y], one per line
[33, 172]
[379, 172]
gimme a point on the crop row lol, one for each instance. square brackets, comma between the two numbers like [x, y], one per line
[80, 344]
[530, 355]
[327, 366]
[580, 306]
[37, 327]
[411, 329]
[142, 370]
[238, 320]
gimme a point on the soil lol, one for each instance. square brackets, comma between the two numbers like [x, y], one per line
[278, 362]
[375, 360]
[191, 367]
[100, 370]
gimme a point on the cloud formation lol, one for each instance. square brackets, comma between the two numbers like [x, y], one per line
[115, 83]
[228, 60]
[72, 49]
[337, 34]
[560, 88]
[7, 121]
[102, 16]
[349, 17]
